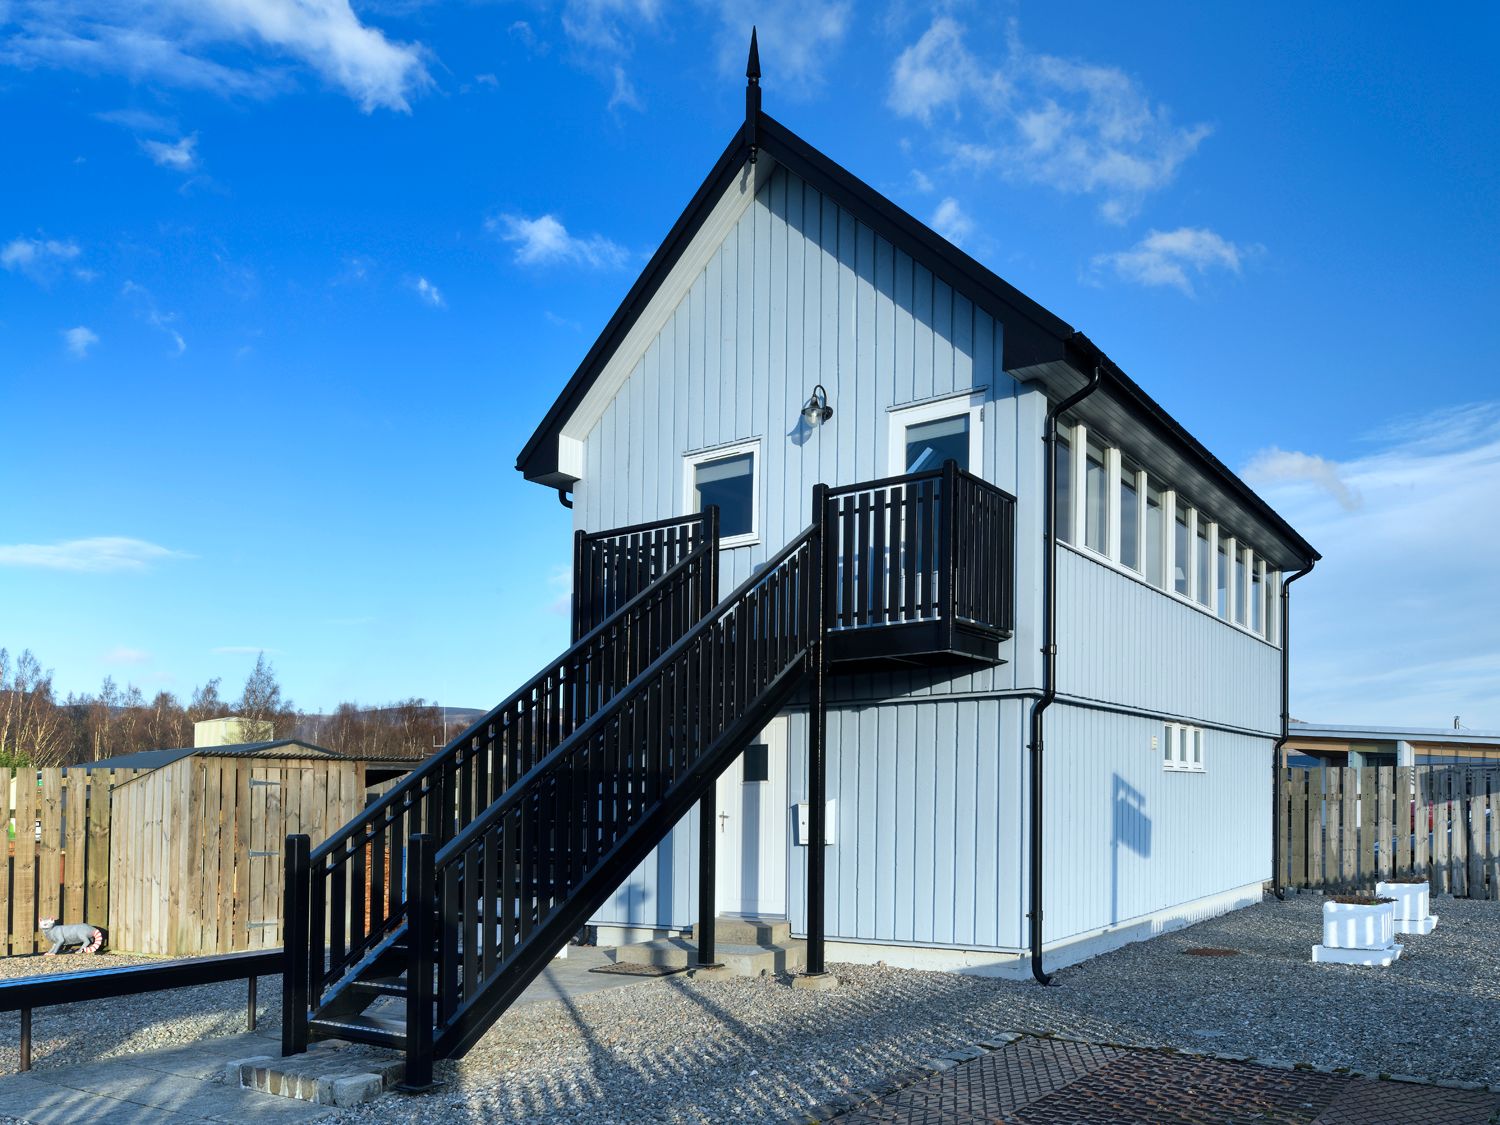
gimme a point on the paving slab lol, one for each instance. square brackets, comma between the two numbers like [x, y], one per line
[1039, 1081]
[173, 1086]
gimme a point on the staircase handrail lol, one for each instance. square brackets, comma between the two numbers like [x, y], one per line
[414, 779]
[465, 838]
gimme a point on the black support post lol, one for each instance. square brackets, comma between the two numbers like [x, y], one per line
[817, 735]
[250, 1005]
[25, 1039]
[707, 858]
[421, 911]
[295, 942]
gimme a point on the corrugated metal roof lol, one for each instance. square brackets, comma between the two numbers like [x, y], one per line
[1394, 734]
[155, 759]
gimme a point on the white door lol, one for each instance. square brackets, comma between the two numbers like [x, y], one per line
[750, 874]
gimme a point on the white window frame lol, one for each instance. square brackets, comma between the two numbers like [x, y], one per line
[690, 463]
[934, 410]
[1185, 750]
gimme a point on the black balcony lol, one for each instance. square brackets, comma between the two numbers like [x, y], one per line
[923, 571]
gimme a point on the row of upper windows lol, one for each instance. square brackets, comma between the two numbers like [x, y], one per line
[1145, 526]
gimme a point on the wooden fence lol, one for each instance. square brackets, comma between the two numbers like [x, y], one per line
[57, 851]
[1346, 827]
[197, 863]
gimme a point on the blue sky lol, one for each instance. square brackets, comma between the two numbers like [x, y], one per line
[285, 285]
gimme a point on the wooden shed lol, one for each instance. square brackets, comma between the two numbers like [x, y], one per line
[196, 844]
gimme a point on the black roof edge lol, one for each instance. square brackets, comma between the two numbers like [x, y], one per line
[536, 459]
[1085, 355]
[1032, 334]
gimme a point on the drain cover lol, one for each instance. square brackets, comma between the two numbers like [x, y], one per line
[1210, 951]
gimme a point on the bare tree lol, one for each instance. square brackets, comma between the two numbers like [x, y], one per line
[266, 714]
[32, 729]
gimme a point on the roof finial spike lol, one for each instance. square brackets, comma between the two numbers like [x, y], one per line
[752, 98]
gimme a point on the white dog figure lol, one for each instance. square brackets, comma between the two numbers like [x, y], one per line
[87, 938]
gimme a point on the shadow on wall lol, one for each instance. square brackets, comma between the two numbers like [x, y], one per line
[1131, 829]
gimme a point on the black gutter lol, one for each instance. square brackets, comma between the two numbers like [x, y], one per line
[1049, 665]
[1286, 730]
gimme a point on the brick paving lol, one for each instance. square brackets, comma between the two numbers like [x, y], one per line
[1036, 1081]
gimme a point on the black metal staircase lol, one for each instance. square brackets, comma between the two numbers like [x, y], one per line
[456, 889]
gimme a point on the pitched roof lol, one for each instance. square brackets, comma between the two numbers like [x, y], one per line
[155, 759]
[1034, 340]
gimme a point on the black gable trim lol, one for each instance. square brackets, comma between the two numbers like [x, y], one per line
[538, 458]
[1031, 337]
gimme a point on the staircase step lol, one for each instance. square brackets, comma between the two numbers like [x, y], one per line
[743, 929]
[741, 960]
[328, 1073]
[377, 1031]
[380, 987]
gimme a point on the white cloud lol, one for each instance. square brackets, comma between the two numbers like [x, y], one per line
[950, 221]
[1165, 257]
[624, 92]
[545, 241]
[79, 340]
[236, 47]
[40, 259]
[1071, 125]
[429, 293]
[797, 38]
[606, 25]
[1281, 467]
[97, 556]
[1400, 622]
[138, 120]
[122, 654]
[165, 322]
[179, 155]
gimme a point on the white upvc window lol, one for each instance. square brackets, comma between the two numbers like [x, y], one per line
[926, 435]
[729, 476]
[1182, 748]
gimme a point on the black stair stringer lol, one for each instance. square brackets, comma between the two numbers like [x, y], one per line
[474, 1017]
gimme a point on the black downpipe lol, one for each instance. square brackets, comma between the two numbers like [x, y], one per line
[1049, 665]
[1286, 731]
[563, 498]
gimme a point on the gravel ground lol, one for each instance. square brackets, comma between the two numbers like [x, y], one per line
[124, 1025]
[756, 1050]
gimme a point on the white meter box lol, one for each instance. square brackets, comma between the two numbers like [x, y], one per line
[830, 822]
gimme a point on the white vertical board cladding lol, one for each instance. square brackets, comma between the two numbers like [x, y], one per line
[929, 817]
[1125, 642]
[798, 294]
[1122, 837]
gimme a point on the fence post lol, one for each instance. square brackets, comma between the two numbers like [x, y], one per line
[421, 906]
[294, 1012]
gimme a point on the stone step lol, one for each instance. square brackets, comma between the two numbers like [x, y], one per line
[328, 1073]
[740, 960]
[745, 930]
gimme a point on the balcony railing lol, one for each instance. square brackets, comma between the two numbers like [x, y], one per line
[922, 566]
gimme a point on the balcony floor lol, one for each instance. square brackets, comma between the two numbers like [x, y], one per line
[920, 644]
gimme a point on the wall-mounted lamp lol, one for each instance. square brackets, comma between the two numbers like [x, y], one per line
[817, 411]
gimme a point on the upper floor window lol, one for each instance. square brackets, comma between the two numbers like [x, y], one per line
[1130, 516]
[1155, 533]
[1224, 579]
[1062, 482]
[927, 435]
[1205, 565]
[1115, 508]
[1183, 555]
[729, 477]
[1096, 499]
